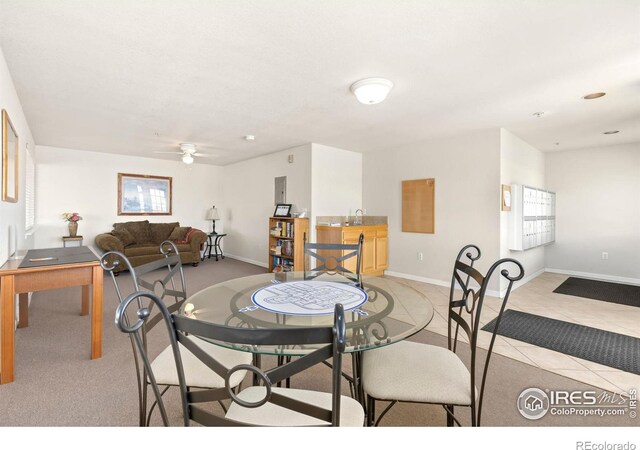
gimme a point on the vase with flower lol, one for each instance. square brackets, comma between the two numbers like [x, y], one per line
[73, 219]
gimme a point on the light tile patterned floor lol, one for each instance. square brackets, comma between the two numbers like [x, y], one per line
[537, 297]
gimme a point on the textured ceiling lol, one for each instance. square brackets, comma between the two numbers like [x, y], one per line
[135, 77]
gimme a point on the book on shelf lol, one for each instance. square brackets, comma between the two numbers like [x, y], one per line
[283, 229]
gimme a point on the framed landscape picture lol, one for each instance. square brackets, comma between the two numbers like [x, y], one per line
[143, 195]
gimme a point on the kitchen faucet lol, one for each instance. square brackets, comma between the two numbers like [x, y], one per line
[358, 221]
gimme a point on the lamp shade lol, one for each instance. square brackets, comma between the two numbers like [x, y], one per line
[212, 214]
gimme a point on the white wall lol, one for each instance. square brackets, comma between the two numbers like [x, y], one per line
[598, 210]
[12, 215]
[520, 163]
[248, 193]
[336, 183]
[467, 176]
[87, 182]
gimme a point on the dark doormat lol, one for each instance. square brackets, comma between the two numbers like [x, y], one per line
[603, 347]
[623, 294]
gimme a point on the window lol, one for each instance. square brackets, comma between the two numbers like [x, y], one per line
[30, 193]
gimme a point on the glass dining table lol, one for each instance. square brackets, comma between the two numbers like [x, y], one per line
[378, 312]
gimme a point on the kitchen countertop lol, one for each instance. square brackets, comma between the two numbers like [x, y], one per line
[340, 220]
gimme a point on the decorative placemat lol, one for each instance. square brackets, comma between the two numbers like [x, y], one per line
[308, 298]
[622, 294]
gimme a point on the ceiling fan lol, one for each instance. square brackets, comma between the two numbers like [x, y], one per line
[188, 151]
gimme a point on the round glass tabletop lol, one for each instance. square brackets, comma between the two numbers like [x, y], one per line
[381, 313]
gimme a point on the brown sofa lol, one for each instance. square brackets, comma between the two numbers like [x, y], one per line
[140, 241]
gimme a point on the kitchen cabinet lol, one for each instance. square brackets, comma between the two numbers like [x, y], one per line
[374, 246]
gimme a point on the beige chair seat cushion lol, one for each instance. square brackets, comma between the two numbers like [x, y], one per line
[196, 373]
[413, 372]
[351, 412]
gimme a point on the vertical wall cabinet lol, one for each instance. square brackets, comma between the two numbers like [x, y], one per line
[532, 220]
[286, 246]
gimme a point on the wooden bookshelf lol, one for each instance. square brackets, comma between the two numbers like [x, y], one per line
[288, 234]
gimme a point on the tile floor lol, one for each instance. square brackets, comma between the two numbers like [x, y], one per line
[537, 297]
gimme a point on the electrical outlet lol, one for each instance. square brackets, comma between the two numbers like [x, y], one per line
[420, 256]
[605, 255]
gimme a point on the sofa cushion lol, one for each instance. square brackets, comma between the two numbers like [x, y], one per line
[142, 250]
[140, 230]
[124, 236]
[179, 234]
[161, 231]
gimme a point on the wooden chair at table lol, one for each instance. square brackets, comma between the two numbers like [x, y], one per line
[170, 285]
[419, 373]
[256, 405]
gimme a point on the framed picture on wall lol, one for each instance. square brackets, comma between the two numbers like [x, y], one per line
[282, 210]
[144, 195]
[506, 198]
[10, 152]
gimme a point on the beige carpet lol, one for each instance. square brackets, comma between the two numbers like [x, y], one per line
[58, 385]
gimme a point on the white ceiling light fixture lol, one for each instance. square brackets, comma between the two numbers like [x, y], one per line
[188, 151]
[371, 90]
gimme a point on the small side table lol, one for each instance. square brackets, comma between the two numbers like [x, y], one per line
[213, 243]
[75, 241]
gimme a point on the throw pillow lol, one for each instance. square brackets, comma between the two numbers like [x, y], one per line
[179, 235]
[161, 231]
[140, 230]
[124, 236]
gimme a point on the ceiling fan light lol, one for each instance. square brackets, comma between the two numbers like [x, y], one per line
[187, 159]
[187, 147]
[371, 90]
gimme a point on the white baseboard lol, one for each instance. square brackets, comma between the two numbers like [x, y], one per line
[247, 260]
[492, 293]
[447, 284]
[522, 282]
[596, 276]
[408, 276]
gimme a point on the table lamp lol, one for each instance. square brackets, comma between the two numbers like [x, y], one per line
[212, 215]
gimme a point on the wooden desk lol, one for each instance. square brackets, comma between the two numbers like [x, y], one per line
[15, 280]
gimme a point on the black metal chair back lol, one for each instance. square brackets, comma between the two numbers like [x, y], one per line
[179, 326]
[466, 298]
[170, 284]
[331, 258]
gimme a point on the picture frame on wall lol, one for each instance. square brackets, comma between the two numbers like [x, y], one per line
[144, 195]
[282, 210]
[10, 155]
[505, 204]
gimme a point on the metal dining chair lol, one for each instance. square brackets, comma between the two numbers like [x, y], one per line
[420, 373]
[168, 284]
[256, 405]
[330, 258]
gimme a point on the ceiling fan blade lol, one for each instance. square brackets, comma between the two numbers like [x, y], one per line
[202, 155]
